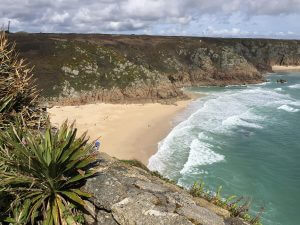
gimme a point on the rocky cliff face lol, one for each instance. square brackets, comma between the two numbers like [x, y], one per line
[123, 68]
[128, 195]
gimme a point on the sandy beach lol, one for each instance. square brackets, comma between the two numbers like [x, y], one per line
[277, 68]
[128, 131]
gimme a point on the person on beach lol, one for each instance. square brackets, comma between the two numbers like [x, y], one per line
[97, 145]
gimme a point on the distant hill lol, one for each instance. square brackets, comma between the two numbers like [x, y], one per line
[118, 68]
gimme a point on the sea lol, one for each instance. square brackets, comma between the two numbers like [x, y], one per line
[245, 139]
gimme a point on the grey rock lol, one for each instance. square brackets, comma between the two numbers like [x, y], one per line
[218, 210]
[126, 195]
[141, 210]
[200, 215]
[97, 216]
[105, 218]
[180, 198]
[105, 190]
[147, 186]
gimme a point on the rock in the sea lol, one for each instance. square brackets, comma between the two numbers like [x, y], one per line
[281, 81]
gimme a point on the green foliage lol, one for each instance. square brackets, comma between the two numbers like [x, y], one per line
[44, 172]
[238, 207]
[19, 214]
[198, 190]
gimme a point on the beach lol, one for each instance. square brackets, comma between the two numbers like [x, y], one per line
[277, 68]
[126, 131]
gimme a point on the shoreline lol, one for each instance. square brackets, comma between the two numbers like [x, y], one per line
[277, 68]
[128, 131]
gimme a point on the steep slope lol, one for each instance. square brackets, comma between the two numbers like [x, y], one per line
[127, 195]
[90, 67]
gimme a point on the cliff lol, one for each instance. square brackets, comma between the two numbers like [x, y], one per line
[128, 195]
[117, 68]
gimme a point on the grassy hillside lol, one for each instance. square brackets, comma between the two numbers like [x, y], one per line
[117, 68]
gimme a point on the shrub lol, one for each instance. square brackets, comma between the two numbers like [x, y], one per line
[18, 94]
[44, 173]
[238, 207]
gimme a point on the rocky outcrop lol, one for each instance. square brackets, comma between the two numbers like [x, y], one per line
[128, 195]
[86, 68]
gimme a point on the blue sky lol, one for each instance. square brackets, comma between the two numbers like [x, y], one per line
[225, 18]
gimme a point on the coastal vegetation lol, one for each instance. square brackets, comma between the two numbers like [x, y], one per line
[41, 169]
[237, 206]
[18, 94]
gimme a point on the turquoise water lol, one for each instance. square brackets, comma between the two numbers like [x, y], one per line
[245, 139]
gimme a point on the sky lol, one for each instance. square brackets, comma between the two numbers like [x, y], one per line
[222, 18]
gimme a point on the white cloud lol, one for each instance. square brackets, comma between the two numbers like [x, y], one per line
[216, 17]
[211, 31]
[58, 18]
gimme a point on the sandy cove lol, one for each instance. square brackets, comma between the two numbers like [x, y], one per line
[277, 68]
[128, 131]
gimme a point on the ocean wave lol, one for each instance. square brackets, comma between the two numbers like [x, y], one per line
[202, 136]
[288, 108]
[237, 120]
[278, 89]
[295, 86]
[294, 103]
[236, 86]
[171, 148]
[200, 154]
[261, 84]
[191, 142]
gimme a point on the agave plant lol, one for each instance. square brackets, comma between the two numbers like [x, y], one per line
[18, 94]
[45, 171]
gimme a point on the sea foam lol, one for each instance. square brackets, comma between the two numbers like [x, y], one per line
[200, 154]
[240, 120]
[295, 86]
[288, 108]
[191, 144]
